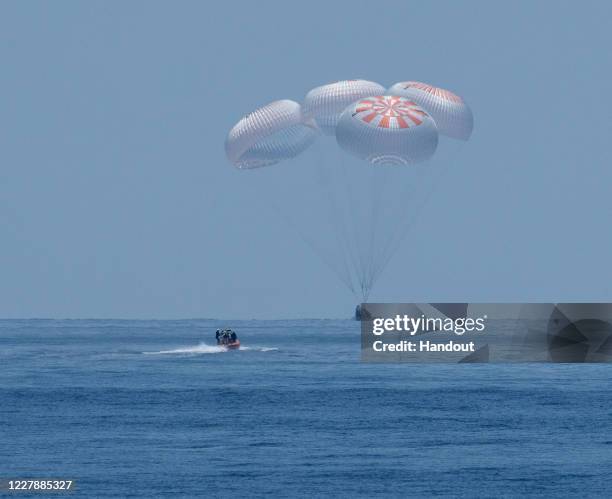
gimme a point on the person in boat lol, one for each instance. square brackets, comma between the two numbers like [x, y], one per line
[225, 337]
[222, 339]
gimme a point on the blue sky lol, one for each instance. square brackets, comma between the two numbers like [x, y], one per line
[116, 199]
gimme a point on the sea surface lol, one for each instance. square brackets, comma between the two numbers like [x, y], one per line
[154, 408]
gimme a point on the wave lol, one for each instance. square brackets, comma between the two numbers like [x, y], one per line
[203, 348]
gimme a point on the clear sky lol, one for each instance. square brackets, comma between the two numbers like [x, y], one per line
[116, 199]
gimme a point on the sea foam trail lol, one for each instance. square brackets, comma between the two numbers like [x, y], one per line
[203, 348]
[260, 349]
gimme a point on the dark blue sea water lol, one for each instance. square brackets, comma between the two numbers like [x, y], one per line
[150, 408]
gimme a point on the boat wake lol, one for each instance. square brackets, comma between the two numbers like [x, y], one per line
[203, 348]
[260, 349]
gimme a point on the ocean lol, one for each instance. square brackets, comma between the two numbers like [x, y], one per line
[153, 408]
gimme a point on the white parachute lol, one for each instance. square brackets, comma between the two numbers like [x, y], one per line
[269, 134]
[326, 103]
[373, 194]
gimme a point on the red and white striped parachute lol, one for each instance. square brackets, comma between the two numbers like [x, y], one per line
[326, 103]
[452, 115]
[269, 134]
[387, 130]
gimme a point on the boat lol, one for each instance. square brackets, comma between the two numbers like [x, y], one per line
[233, 346]
[227, 338]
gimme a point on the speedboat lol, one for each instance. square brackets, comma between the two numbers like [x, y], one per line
[234, 345]
[228, 339]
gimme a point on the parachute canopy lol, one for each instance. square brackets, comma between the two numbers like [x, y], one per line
[387, 130]
[326, 103]
[452, 115]
[269, 134]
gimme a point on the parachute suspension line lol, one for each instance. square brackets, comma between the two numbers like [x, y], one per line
[354, 225]
[310, 243]
[347, 213]
[377, 186]
[400, 235]
[370, 204]
[326, 176]
[345, 190]
[403, 210]
[440, 168]
[338, 235]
